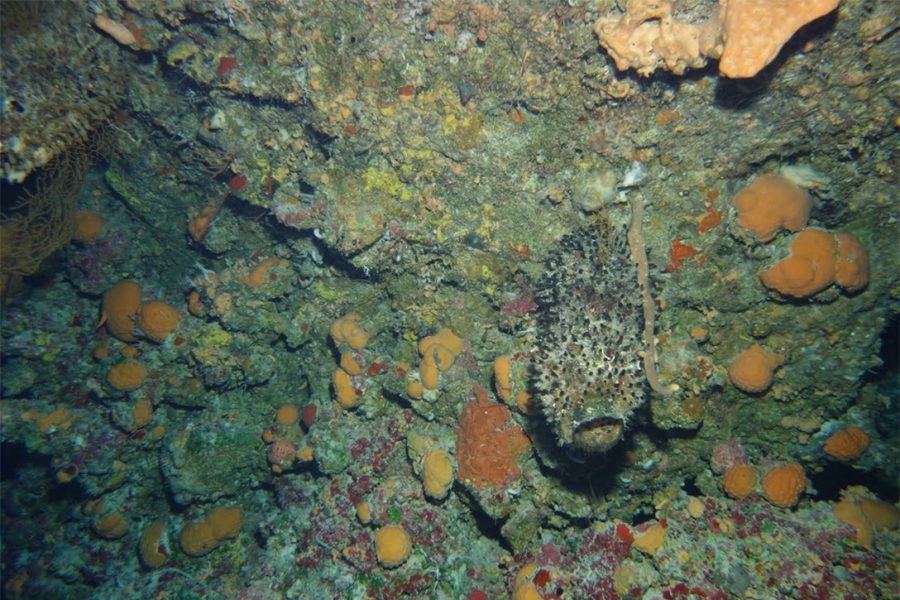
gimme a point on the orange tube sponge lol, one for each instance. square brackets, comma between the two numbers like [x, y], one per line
[157, 320]
[847, 444]
[782, 486]
[121, 304]
[751, 370]
[772, 203]
[392, 545]
[739, 481]
[852, 268]
[127, 376]
[809, 269]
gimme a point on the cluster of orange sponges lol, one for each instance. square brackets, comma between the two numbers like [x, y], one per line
[347, 378]
[438, 353]
[781, 486]
[124, 314]
[866, 513]
[202, 537]
[819, 258]
[284, 439]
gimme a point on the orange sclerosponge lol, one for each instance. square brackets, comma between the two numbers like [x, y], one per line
[392, 545]
[810, 267]
[220, 524]
[751, 370]
[771, 203]
[127, 376]
[852, 268]
[347, 329]
[89, 225]
[121, 304]
[783, 485]
[739, 481]
[847, 444]
[157, 320]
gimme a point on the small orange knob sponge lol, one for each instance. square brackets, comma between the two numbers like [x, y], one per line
[783, 485]
[751, 370]
[739, 481]
[847, 444]
[772, 203]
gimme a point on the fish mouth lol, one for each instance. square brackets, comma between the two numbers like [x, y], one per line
[598, 435]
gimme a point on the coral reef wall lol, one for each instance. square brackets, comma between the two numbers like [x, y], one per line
[295, 320]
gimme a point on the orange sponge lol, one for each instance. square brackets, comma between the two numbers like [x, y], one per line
[392, 545]
[121, 303]
[220, 524]
[809, 269]
[157, 320]
[739, 481]
[772, 203]
[852, 268]
[818, 259]
[782, 486]
[348, 329]
[89, 225]
[751, 370]
[127, 376]
[847, 444]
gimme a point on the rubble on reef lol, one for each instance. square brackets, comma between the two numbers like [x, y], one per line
[306, 300]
